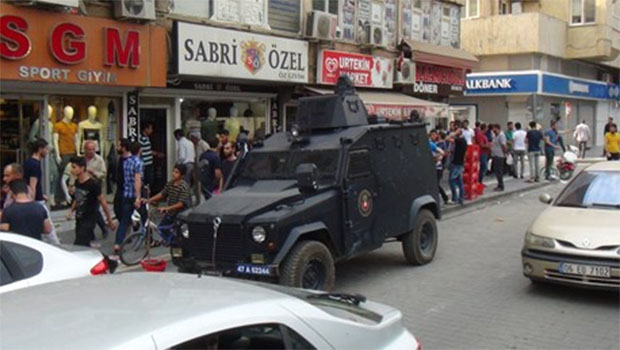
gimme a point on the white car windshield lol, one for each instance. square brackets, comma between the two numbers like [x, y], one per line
[599, 189]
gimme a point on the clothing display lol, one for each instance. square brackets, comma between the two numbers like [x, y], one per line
[66, 132]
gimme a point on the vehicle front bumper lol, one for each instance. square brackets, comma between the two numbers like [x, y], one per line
[239, 269]
[545, 266]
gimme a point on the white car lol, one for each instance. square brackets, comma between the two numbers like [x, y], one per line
[26, 262]
[144, 310]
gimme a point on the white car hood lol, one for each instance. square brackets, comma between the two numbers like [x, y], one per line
[601, 227]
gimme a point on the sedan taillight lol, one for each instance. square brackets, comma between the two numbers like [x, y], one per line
[100, 268]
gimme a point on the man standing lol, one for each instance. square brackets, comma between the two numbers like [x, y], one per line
[610, 122]
[146, 152]
[498, 152]
[457, 166]
[468, 133]
[483, 142]
[124, 154]
[95, 166]
[229, 160]
[438, 156]
[201, 145]
[510, 148]
[612, 143]
[24, 216]
[186, 155]
[33, 176]
[519, 149]
[551, 143]
[131, 190]
[533, 138]
[11, 172]
[88, 197]
[211, 178]
[582, 136]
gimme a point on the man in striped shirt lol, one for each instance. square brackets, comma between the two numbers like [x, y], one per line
[146, 153]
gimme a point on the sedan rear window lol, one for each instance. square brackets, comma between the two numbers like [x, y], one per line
[596, 189]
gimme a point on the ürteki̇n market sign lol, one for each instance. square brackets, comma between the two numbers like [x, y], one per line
[215, 52]
[364, 70]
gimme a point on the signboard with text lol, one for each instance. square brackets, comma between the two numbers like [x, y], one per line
[54, 47]
[502, 84]
[364, 70]
[559, 85]
[214, 52]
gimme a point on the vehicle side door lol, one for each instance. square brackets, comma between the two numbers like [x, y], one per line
[19, 265]
[360, 190]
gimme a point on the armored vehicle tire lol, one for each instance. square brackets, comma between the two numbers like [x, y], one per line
[419, 245]
[309, 265]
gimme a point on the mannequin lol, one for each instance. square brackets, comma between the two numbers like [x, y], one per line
[35, 133]
[90, 129]
[65, 141]
[232, 124]
[208, 129]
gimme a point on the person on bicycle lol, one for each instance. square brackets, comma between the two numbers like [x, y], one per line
[177, 194]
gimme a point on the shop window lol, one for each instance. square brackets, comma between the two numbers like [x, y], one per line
[583, 11]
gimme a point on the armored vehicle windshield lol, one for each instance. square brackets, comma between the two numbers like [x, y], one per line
[278, 165]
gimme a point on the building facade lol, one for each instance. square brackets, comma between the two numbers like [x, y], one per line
[544, 60]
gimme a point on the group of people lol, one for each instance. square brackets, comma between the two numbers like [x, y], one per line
[206, 164]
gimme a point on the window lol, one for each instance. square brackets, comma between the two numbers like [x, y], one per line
[254, 11]
[583, 11]
[592, 189]
[472, 9]
[284, 15]
[266, 336]
[22, 262]
[5, 275]
[190, 8]
[359, 164]
[330, 6]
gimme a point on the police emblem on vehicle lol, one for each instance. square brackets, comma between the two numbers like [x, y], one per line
[364, 203]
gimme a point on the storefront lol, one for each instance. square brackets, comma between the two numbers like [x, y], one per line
[229, 79]
[373, 77]
[65, 78]
[514, 96]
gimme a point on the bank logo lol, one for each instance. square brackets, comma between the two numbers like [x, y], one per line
[253, 55]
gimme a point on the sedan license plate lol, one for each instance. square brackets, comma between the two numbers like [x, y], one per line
[585, 270]
[177, 252]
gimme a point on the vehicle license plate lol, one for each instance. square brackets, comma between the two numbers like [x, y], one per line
[253, 269]
[585, 270]
[177, 252]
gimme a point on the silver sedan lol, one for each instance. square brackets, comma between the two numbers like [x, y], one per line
[182, 311]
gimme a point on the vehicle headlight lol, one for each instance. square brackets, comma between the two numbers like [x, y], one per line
[533, 239]
[184, 229]
[259, 234]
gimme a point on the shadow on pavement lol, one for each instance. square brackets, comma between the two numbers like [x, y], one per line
[584, 296]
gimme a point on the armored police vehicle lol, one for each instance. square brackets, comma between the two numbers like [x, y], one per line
[336, 186]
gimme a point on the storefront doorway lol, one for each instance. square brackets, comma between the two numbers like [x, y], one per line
[19, 125]
[157, 115]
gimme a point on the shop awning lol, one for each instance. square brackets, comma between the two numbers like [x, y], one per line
[394, 105]
[441, 55]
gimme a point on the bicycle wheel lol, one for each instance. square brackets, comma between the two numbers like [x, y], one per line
[553, 173]
[134, 248]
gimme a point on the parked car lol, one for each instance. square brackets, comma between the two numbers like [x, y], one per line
[183, 311]
[25, 262]
[576, 240]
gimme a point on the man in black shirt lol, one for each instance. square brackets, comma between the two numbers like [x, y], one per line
[24, 216]
[229, 160]
[457, 166]
[87, 194]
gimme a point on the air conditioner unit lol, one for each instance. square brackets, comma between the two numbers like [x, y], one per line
[406, 74]
[322, 25]
[377, 36]
[134, 9]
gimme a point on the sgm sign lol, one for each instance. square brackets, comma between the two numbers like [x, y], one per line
[43, 46]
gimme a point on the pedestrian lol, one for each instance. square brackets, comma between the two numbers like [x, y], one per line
[230, 158]
[87, 199]
[131, 190]
[510, 155]
[24, 216]
[610, 122]
[11, 172]
[551, 138]
[177, 194]
[33, 176]
[533, 139]
[520, 149]
[201, 146]
[186, 155]
[468, 133]
[224, 135]
[582, 136]
[499, 150]
[457, 164]
[612, 143]
[438, 155]
[210, 165]
[146, 153]
[119, 173]
[95, 166]
[485, 150]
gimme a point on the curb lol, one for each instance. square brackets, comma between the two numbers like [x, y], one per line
[483, 200]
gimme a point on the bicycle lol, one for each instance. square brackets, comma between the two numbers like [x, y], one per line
[137, 246]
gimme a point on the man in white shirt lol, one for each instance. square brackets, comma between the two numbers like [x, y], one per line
[518, 139]
[582, 136]
[185, 155]
[467, 132]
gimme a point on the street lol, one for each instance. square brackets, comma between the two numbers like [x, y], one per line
[473, 295]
